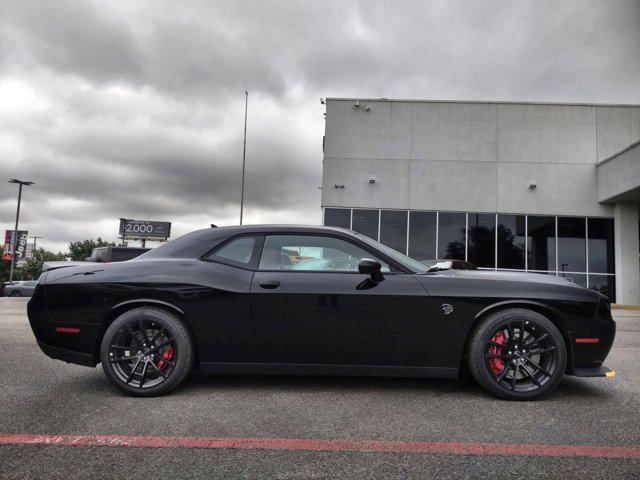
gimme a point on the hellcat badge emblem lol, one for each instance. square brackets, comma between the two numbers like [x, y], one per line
[446, 308]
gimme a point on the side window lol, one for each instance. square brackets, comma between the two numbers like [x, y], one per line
[238, 250]
[100, 254]
[312, 254]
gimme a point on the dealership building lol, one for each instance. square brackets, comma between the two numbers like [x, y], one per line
[546, 188]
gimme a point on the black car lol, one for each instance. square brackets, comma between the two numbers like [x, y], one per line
[236, 300]
[115, 254]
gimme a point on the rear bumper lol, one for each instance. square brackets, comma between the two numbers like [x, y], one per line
[601, 371]
[68, 356]
[55, 338]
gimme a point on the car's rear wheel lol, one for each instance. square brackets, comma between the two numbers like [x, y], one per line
[517, 354]
[16, 293]
[146, 351]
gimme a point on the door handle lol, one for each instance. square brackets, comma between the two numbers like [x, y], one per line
[270, 285]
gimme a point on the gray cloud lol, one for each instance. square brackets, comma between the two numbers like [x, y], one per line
[135, 109]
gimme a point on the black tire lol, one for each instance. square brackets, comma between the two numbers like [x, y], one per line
[16, 293]
[147, 339]
[514, 366]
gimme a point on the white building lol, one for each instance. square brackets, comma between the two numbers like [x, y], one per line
[559, 183]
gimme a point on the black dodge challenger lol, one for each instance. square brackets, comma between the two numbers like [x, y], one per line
[316, 300]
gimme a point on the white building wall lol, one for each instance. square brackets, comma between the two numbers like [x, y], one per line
[488, 153]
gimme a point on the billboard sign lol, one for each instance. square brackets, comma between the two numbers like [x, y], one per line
[144, 229]
[15, 242]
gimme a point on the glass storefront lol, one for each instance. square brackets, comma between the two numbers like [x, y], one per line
[366, 222]
[541, 243]
[393, 229]
[511, 241]
[451, 235]
[422, 235]
[577, 248]
[481, 239]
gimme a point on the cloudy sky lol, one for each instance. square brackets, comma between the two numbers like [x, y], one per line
[135, 109]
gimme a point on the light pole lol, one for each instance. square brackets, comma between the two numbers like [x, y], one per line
[35, 239]
[244, 152]
[15, 231]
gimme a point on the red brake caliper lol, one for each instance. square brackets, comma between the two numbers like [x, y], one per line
[168, 353]
[496, 363]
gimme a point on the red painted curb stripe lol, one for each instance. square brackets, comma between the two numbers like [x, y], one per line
[317, 445]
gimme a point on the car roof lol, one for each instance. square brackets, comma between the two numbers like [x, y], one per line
[192, 244]
[262, 228]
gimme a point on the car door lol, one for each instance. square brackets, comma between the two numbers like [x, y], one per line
[29, 288]
[311, 306]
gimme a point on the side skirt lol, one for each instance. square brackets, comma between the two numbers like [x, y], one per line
[322, 369]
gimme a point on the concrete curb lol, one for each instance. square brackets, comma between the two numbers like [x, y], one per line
[625, 307]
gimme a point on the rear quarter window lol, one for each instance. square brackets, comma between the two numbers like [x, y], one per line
[238, 251]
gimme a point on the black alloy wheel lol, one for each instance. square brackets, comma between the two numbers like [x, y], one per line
[517, 354]
[16, 293]
[146, 351]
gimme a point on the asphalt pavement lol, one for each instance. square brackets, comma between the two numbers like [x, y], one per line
[301, 427]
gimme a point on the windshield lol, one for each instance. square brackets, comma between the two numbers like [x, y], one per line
[408, 262]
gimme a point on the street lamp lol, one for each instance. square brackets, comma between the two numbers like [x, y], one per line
[35, 239]
[244, 152]
[15, 231]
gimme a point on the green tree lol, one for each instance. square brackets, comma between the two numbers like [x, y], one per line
[82, 249]
[32, 269]
[5, 266]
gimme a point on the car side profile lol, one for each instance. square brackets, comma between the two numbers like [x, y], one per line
[316, 300]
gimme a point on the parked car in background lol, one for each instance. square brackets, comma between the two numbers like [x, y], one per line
[20, 289]
[115, 254]
[436, 264]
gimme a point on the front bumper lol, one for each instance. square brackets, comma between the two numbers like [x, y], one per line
[601, 371]
[590, 347]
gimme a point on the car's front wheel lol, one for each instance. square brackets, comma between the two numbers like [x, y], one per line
[16, 293]
[146, 351]
[517, 354]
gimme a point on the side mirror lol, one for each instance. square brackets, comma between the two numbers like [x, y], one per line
[371, 267]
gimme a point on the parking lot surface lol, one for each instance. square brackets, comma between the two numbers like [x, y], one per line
[73, 424]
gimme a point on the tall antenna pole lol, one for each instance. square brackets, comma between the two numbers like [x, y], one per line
[244, 152]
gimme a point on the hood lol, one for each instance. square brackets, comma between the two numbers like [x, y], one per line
[511, 276]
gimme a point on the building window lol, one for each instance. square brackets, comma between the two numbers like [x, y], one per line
[366, 222]
[451, 235]
[393, 229]
[572, 245]
[482, 240]
[577, 278]
[605, 284]
[555, 245]
[601, 257]
[422, 235]
[541, 243]
[337, 217]
[511, 241]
